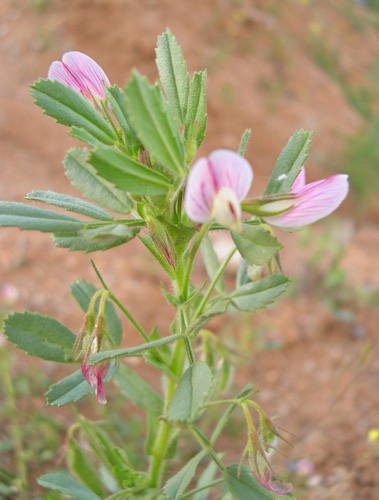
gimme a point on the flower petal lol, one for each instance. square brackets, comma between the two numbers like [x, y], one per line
[80, 72]
[313, 202]
[299, 181]
[223, 168]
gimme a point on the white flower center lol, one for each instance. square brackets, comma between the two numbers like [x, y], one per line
[226, 209]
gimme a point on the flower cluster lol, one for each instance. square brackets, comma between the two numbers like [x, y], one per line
[219, 183]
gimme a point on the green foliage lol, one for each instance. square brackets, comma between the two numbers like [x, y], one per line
[83, 291]
[244, 486]
[197, 109]
[66, 484]
[191, 393]
[256, 244]
[70, 203]
[13, 214]
[95, 239]
[40, 336]
[127, 174]
[73, 388]
[289, 163]
[173, 74]
[132, 351]
[84, 177]
[211, 262]
[154, 124]
[81, 466]
[117, 100]
[206, 477]
[69, 108]
[177, 485]
[244, 140]
[258, 294]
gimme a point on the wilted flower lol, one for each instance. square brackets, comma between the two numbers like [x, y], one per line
[260, 446]
[81, 73]
[93, 338]
[216, 186]
[95, 375]
[308, 203]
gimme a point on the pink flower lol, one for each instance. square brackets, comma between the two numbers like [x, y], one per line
[95, 376]
[81, 73]
[310, 203]
[216, 186]
[277, 487]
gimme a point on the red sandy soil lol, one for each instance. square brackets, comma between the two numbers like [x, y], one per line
[314, 382]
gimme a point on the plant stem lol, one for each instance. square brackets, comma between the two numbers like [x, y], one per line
[214, 283]
[202, 488]
[162, 439]
[191, 258]
[207, 446]
[15, 424]
[136, 325]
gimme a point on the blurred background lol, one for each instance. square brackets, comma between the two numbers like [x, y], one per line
[273, 66]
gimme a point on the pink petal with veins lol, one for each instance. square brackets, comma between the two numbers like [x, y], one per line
[299, 181]
[222, 168]
[313, 202]
[81, 73]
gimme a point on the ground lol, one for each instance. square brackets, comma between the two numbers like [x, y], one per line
[314, 357]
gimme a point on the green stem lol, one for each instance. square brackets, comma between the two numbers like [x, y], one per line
[15, 424]
[162, 439]
[112, 297]
[214, 283]
[207, 446]
[202, 488]
[191, 258]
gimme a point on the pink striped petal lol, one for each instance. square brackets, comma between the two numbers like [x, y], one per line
[299, 181]
[81, 73]
[313, 202]
[221, 169]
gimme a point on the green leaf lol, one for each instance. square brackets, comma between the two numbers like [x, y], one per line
[154, 123]
[128, 174]
[148, 242]
[256, 244]
[190, 394]
[137, 390]
[84, 177]
[289, 163]
[133, 387]
[132, 351]
[13, 214]
[242, 277]
[70, 203]
[206, 477]
[80, 465]
[74, 387]
[117, 100]
[177, 485]
[67, 484]
[70, 108]
[173, 74]
[246, 487]
[244, 140]
[197, 108]
[113, 457]
[258, 294]
[84, 136]
[211, 262]
[94, 239]
[83, 291]
[40, 336]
